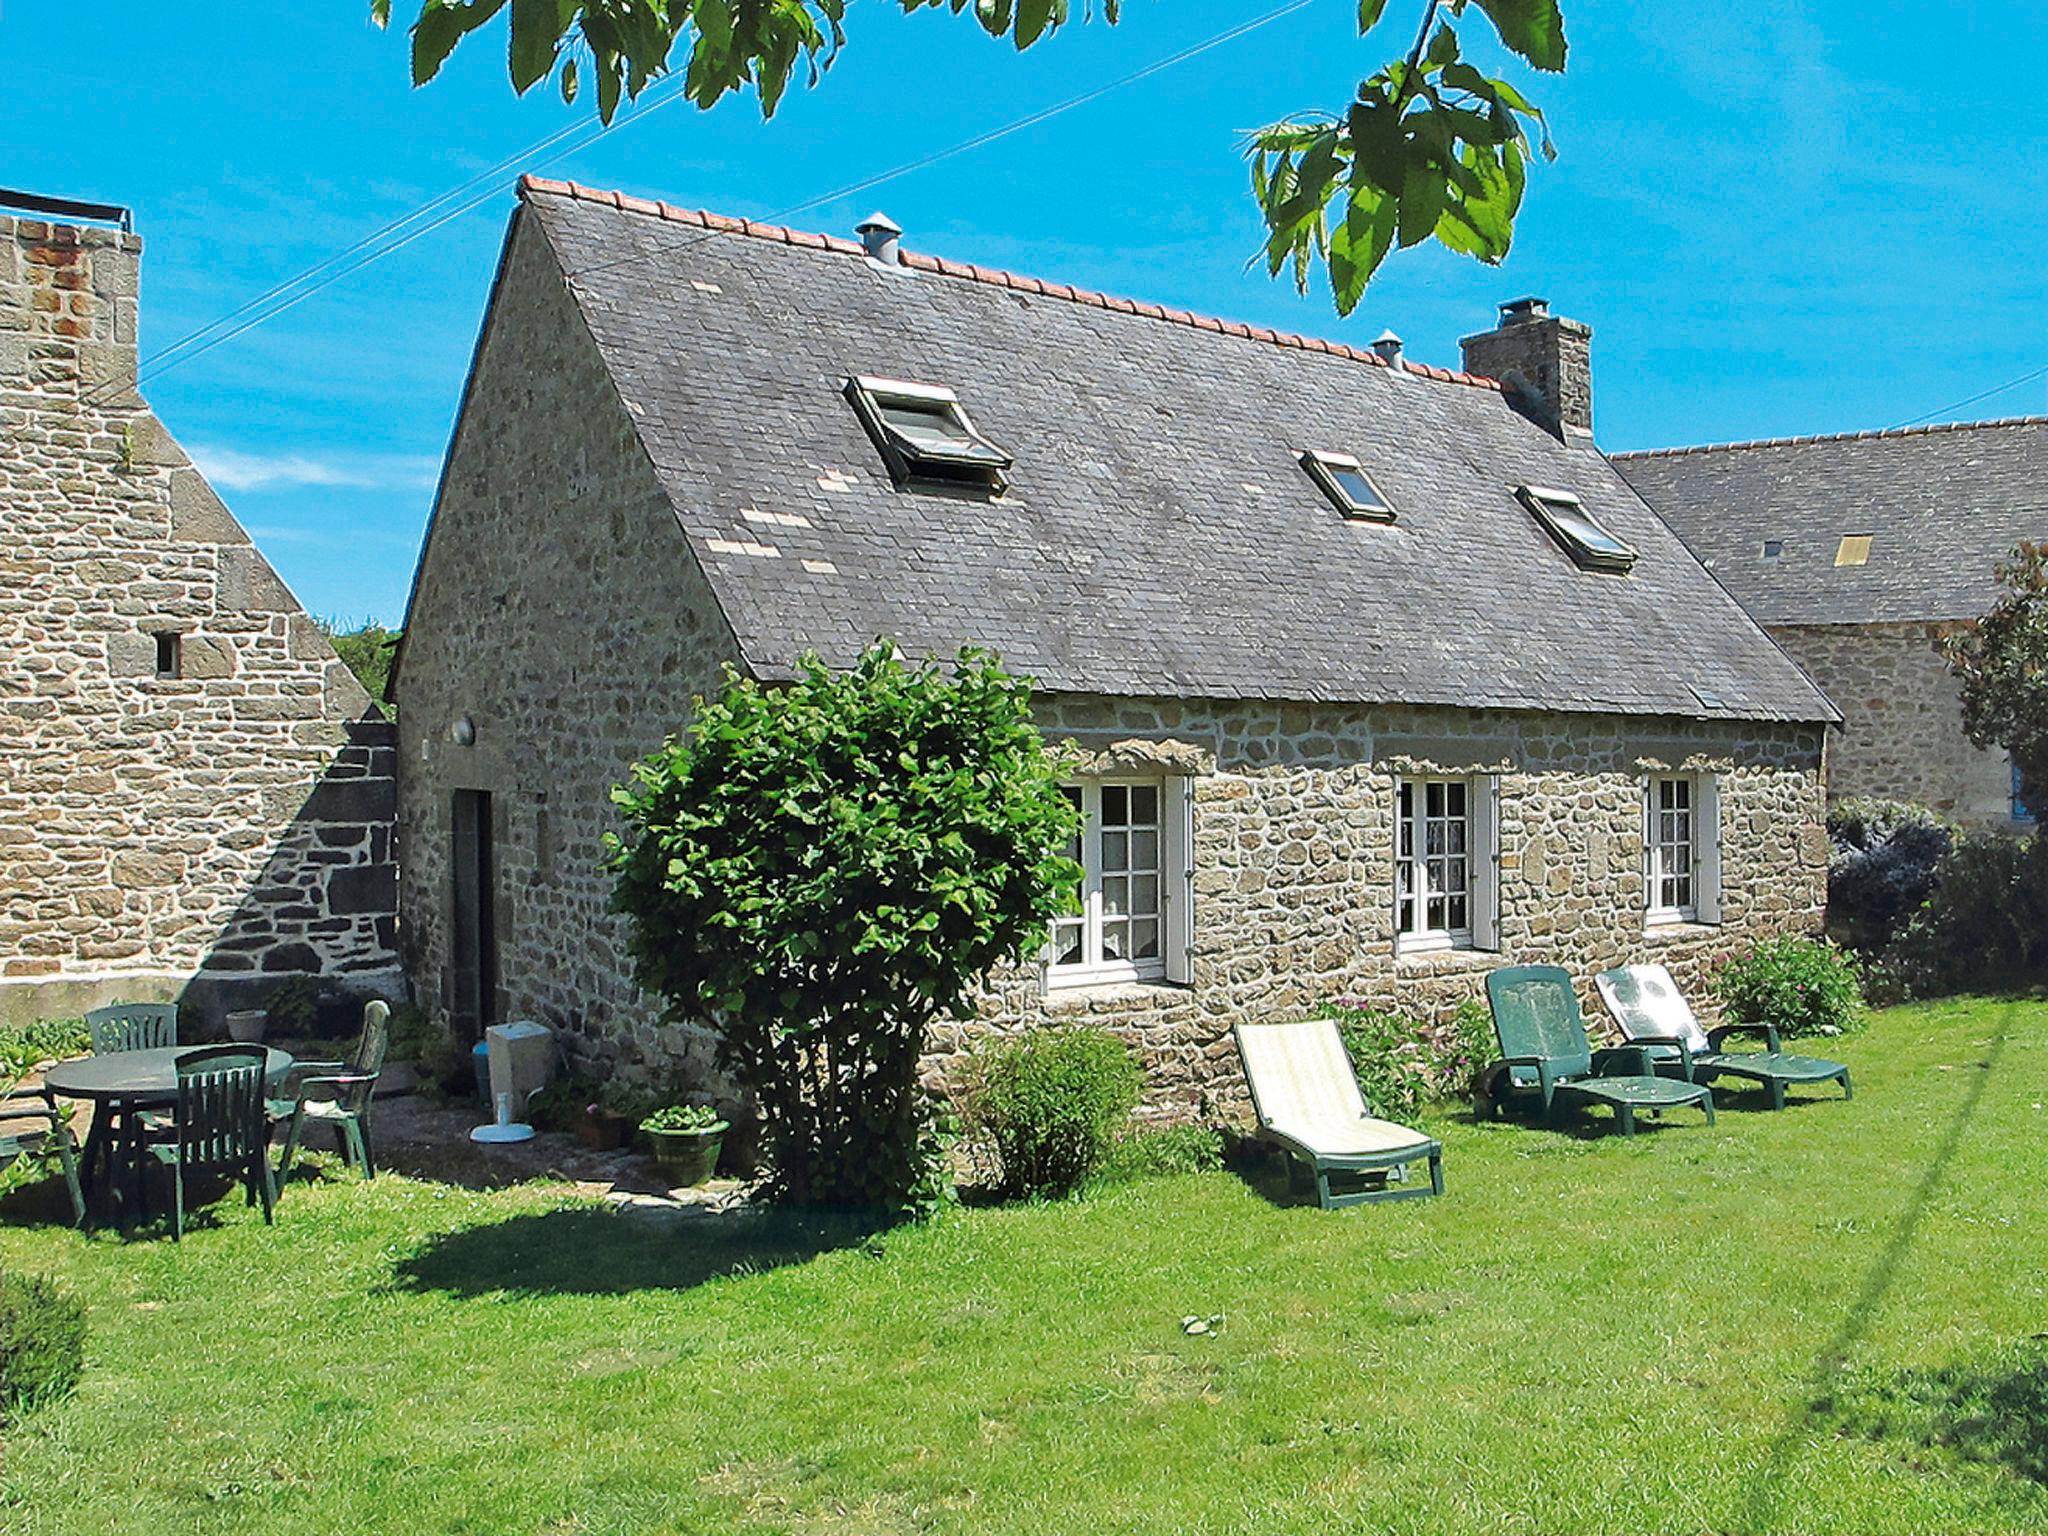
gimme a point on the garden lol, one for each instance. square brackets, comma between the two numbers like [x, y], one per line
[1030, 1307]
[1825, 1319]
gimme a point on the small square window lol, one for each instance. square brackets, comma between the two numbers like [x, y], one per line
[924, 433]
[1853, 550]
[1344, 480]
[1582, 535]
[169, 653]
[1774, 549]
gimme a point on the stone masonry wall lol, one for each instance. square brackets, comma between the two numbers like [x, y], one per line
[207, 832]
[560, 612]
[1294, 865]
[1901, 736]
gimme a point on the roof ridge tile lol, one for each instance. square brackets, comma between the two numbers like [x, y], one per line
[1869, 434]
[918, 261]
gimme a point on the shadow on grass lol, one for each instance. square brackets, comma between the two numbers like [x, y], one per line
[1766, 1490]
[1993, 1412]
[581, 1251]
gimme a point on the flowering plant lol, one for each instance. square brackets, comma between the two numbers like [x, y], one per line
[1404, 1062]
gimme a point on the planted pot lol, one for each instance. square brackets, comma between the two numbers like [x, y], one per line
[686, 1158]
[247, 1026]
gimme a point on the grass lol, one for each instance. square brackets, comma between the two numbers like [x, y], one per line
[1815, 1321]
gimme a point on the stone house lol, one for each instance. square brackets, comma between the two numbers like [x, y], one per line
[196, 797]
[1857, 553]
[1377, 675]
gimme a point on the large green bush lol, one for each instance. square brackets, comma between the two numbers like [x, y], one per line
[1404, 1063]
[42, 1342]
[1883, 864]
[822, 868]
[1048, 1105]
[1802, 986]
[1984, 929]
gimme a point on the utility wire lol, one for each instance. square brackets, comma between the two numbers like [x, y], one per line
[508, 163]
[978, 141]
[304, 285]
[365, 251]
[2025, 378]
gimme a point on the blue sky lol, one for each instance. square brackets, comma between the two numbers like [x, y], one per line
[1779, 218]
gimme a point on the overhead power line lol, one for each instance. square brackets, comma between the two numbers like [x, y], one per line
[485, 185]
[2025, 378]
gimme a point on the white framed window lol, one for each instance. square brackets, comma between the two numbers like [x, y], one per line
[1673, 851]
[1137, 890]
[1590, 542]
[1682, 848]
[1350, 489]
[1446, 858]
[924, 432]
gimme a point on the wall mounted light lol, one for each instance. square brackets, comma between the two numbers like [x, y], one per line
[463, 732]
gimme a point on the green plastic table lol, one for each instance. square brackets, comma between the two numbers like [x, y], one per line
[120, 1086]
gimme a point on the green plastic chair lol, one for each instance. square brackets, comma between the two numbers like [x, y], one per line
[1652, 1012]
[30, 1125]
[220, 1125]
[1545, 1052]
[132, 1027]
[339, 1093]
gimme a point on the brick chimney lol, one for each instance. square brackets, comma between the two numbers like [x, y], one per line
[68, 303]
[1545, 359]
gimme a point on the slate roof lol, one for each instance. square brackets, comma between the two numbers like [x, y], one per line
[1158, 536]
[1942, 505]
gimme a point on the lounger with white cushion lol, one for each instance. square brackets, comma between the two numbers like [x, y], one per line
[1309, 1106]
[1652, 1012]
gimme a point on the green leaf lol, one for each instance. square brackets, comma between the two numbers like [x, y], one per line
[1033, 17]
[1423, 195]
[569, 82]
[1369, 13]
[536, 38]
[443, 24]
[1532, 28]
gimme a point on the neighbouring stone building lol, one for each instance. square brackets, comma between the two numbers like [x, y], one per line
[196, 796]
[1857, 553]
[1377, 675]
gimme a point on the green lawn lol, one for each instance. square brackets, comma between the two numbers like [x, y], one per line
[1765, 1326]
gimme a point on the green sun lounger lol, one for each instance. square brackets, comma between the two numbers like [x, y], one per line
[1309, 1106]
[1545, 1052]
[1652, 1012]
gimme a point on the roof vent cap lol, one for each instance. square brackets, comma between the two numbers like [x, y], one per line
[1388, 346]
[879, 237]
[1517, 311]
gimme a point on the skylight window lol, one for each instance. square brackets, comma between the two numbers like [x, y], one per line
[1853, 550]
[1774, 549]
[1583, 536]
[925, 434]
[1344, 480]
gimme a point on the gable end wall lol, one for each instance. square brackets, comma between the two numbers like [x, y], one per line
[202, 835]
[560, 611]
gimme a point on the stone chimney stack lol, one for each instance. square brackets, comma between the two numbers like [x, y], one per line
[68, 294]
[1545, 360]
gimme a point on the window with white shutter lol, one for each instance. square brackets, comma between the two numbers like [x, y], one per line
[1136, 921]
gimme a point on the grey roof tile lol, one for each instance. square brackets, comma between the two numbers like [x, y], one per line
[1942, 506]
[1127, 557]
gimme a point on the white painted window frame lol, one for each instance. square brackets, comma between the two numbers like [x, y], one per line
[1704, 795]
[1175, 874]
[1482, 864]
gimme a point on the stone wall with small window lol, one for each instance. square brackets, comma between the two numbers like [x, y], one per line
[1297, 858]
[196, 796]
[1901, 736]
